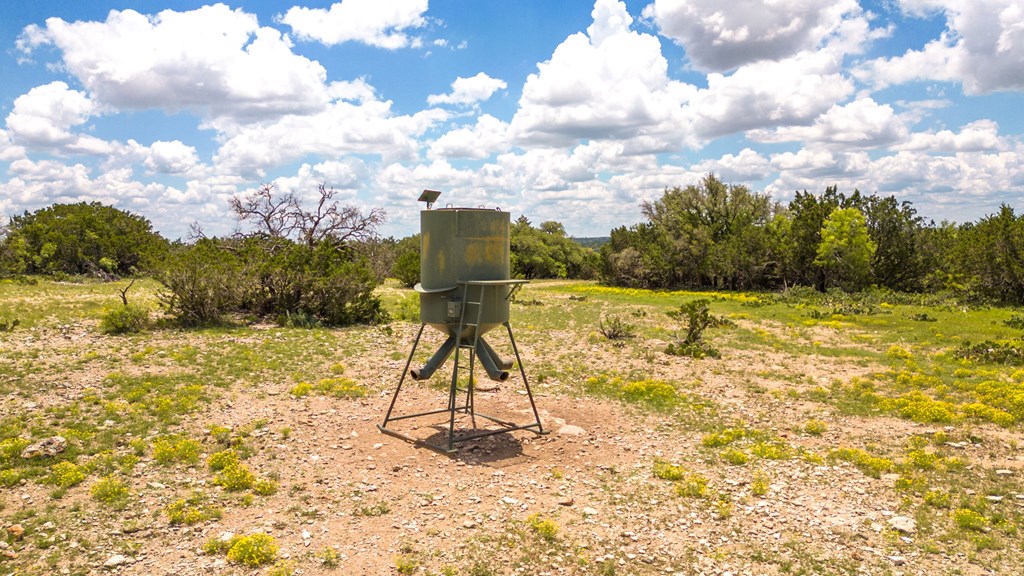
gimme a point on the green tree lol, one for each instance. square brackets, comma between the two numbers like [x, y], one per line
[406, 267]
[895, 228]
[846, 249]
[808, 216]
[991, 254]
[548, 252]
[83, 238]
[708, 234]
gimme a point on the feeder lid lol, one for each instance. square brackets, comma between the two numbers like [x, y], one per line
[429, 196]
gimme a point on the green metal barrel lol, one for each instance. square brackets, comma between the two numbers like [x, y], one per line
[462, 245]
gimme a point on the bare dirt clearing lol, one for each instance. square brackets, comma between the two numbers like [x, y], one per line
[729, 478]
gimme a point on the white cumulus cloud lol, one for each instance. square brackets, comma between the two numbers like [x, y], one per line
[373, 22]
[790, 92]
[43, 117]
[171, 157]
[611, 83]
[213, 59]
[982, 48]
[862, 123]
[722, 36]
[469, 90]
[487, 136]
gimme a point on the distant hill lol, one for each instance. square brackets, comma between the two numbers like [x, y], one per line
[594, 242]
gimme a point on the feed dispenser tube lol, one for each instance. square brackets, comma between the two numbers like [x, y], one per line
[464, 292]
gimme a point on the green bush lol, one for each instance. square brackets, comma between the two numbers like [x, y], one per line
[696, 318]
[202, 283]
[171, 449]
[65, 475]
[255, 550]
[191, 511]
[110, 491]
[407, 263]
[222, 460]
[128, 319]
[80, 239]
[298, 284]
[235, 477]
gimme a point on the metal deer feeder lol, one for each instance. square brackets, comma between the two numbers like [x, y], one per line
[464, 291]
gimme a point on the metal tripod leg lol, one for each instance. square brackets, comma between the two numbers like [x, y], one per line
[405, 371]
[526, 383]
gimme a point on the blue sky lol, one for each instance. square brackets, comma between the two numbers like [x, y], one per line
[568, 111]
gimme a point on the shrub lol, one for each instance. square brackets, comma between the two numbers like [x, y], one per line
[546, 529]
[111, 491]
[615, 328]
[696, 318]
[235, 477]
[815, 427]
[128, 319]
[254, 550]
[170, 449]
[734, 456]
[937, 499]
[407, 268]
[191, 511]
[760, 484]
[870, 465]
[967, 519]
[1009, 352]
[264, 488]
[693, 485]
[667, 471]
[223, 459]
[1015, 321]
[65, 475]
[202, 282]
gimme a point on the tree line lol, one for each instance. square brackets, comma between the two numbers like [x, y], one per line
[320, 265]
[723, 236]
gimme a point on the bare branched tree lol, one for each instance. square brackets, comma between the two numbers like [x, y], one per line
[275, 216]
[343, 223]
[283, 216]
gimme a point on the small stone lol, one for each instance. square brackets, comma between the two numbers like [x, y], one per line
[509, 500]
[378, 446]
[46, 447]
[16, 531]
[115, 560]
[588, 511]
[1004, 472]
[994, 499]
[306, 535]
[469, 524]
[903, 524]
[9, 554]
[565, 501]
[897, 560]
[225, 536]
[570, 430]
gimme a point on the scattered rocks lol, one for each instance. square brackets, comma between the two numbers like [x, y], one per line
[115, 561]
[46, 447]
[16, 531]
[570, 430]
[903, 524]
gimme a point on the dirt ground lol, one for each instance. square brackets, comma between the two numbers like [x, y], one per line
[387, 506]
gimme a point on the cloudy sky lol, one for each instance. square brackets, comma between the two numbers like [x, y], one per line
[572, 111]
